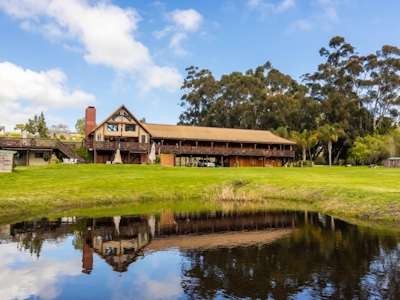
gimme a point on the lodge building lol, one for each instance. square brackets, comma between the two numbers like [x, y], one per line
[182, 145]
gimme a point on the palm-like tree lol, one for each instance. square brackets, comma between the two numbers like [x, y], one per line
[328, 134]
[305, 140]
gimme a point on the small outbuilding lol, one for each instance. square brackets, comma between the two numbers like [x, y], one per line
[7, 160]
[392, 162]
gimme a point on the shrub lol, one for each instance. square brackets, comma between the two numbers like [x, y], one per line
[84, 153]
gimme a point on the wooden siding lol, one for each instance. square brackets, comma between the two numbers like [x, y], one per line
[7, 161]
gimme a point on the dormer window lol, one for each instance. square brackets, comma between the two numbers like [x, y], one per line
[112, 127]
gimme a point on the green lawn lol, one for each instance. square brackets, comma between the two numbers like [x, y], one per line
[359, 192]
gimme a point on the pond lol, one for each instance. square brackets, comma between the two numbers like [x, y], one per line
[197, 255]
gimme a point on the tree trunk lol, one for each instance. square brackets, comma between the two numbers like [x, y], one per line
[330, 153]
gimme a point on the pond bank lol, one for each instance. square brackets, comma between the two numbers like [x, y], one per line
[358, 192]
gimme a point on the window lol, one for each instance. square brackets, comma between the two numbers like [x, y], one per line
[39, 154]
[99, 137]
[130, 127]
[112, 127]
[143, 139]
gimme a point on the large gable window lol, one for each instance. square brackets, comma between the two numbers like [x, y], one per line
[130, 127]
[112, 127]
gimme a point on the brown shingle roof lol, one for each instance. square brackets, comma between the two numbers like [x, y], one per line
[176, 132]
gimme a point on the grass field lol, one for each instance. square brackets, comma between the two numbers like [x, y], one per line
[356, 192]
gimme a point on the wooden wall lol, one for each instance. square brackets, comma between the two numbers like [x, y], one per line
[6, 162]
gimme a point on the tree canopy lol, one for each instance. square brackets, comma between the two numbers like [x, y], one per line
[37, 126]
[357, 93]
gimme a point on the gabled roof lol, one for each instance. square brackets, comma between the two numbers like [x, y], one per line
[176, 132]
[116, 111]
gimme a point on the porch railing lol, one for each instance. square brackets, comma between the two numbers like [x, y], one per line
[27, 142]
[145, 148]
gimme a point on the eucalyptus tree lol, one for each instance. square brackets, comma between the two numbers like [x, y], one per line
[327, 134]
[382, 99]
[201, 91]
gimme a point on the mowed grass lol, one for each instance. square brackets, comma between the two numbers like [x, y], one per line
[359, 192]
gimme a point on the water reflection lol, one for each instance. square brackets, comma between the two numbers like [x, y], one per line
[197, 255]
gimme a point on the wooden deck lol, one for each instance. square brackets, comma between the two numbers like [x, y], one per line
[38, 144]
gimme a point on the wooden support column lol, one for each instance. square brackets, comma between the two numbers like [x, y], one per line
[222, 161]
[95, 156]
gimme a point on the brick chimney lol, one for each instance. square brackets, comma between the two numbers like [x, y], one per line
[90, 121]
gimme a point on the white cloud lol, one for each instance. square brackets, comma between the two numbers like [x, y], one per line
[324, 15]
[105, 31]
[188, 20]
[39, 91]
[327, 14]
[265, 7]
[183, 21]
[285, 5]
[302, 25]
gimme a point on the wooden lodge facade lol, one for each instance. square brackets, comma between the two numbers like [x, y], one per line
[186, 144]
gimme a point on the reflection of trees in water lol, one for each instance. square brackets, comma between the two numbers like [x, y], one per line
[34, 246]
[319, 262]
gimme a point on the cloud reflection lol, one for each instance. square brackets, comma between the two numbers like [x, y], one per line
[23, 276]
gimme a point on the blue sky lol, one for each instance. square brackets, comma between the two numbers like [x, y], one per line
[60, 56]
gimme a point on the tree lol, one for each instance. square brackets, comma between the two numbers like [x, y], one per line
[328, 134]
[37, 125]
[201, 91]
[305, 141]
[371, 148]
[142, 120]
[383, 84]
[20, 127]
[80, 126]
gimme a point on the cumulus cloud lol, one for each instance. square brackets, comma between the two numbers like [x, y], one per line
[188, 20]
[105, 31]
[183, 22]
[24, 93]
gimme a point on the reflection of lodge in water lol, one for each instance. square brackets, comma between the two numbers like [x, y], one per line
[121, 240]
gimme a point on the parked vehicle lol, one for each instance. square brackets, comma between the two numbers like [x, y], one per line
[205, 163]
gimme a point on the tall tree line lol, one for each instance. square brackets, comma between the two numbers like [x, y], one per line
[353, 94]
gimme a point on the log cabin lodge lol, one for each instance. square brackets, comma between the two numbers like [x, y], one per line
[182, 145]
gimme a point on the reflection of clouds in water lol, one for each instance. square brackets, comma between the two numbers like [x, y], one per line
[33, 277]
[158, 276]
[168, 288]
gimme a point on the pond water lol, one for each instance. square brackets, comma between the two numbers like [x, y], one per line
[197, 255]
